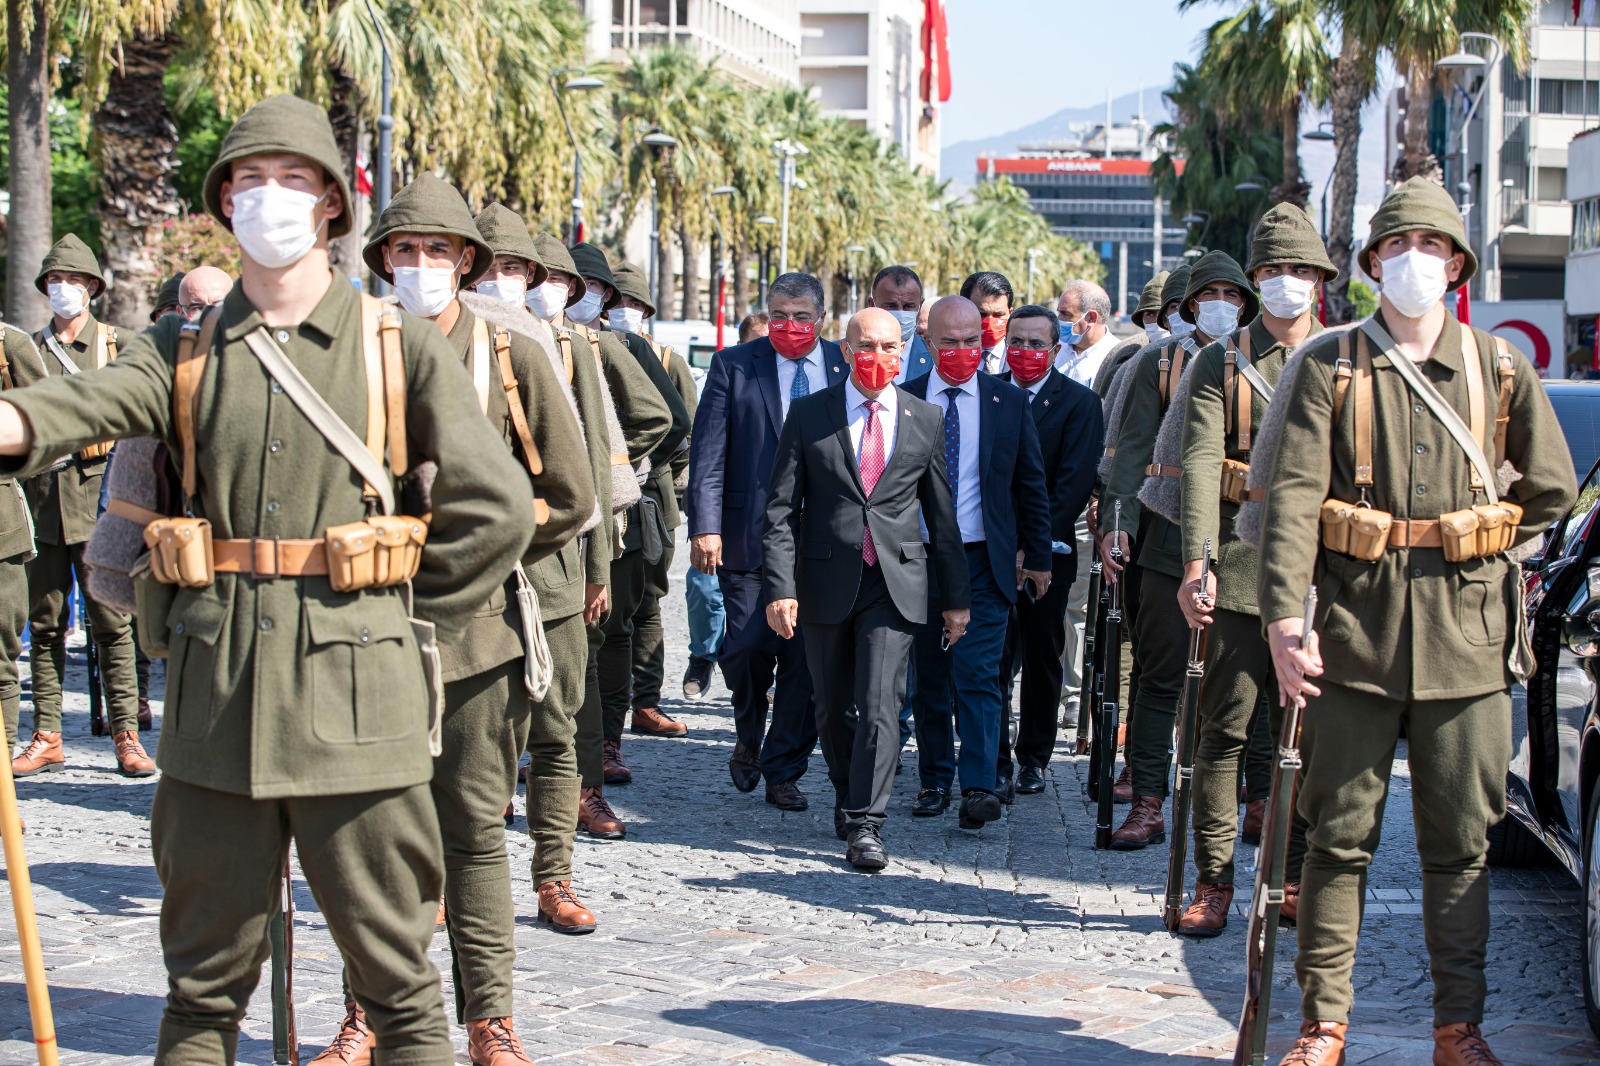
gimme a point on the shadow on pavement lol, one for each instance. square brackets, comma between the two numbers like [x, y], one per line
[95, 1021]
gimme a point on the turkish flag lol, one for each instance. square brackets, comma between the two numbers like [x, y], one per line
[935, 53]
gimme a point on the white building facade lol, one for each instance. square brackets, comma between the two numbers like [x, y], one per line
[756, 41]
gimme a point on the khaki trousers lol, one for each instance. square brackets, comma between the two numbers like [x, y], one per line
[50, 581]
[13, 616]
[553, 782]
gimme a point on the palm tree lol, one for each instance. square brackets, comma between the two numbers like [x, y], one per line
[1362, 28]
[28, 79]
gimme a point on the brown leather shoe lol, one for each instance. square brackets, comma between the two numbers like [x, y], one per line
[612, 766]
[1289, 911]
[42, 755]
[439, 918]
[561, 910]
[1255, 813]
[353, 1046]
[786, 796]
[1144, 826]
[132, 759]
[1462, 1044]
[1320, 1044]
[1122, 790]
[597, 818]
[1208, 914]
[492, 1042]
[652, 723]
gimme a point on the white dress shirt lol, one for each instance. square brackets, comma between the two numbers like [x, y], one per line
[969, 483]
[1083, 366]
[788, 368]
[855, 414]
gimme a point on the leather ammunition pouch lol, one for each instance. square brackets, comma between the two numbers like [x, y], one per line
[1477, 532]
[380, 552]
[1355, 530]
[1235, 480]
[181, 552]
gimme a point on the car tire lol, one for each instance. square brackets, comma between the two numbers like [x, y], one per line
[1591, 913]
[1510, 844]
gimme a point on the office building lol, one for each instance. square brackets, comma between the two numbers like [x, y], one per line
[755, 41]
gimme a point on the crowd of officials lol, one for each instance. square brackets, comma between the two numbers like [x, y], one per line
[398, 554]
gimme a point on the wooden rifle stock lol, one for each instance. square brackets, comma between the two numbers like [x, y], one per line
[97, 702]
[1110, 687]
[280, 931]
[44, 1027]
[1183, 782]
[1091, 620]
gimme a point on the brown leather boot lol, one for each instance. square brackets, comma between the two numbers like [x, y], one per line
[614, 770]
[596, 817]
[1462, 1044]
[1208, 914]
[353, 1046]
[1289, 911]
[652, 723]
[1320, 1044]
[43, 753]
[1122, 790]
[132, 760]
[492, 1042]
[1144, 826]
[1255, 813]
[146, 719]
[562, 910]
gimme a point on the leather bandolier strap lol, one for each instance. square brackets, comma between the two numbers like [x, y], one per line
[1169, 369]
[1238, 411]
[565, 337]
[519, 418]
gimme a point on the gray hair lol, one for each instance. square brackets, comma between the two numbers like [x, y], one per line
[1091, 297]
[794, 286]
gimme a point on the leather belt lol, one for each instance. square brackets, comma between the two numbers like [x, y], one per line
[974, 545]
[1422, 533]
[1255, 495]
[1157, 470]
[266, 557]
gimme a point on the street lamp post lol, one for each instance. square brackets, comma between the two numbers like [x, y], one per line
[658, 143]
[582, 83]
[854, 250]
[1464, 64]
[1033, 259]
[719, 262]
[1323, 132]
[787, 151]
[766, 258]
[1201, 219]
[385, 132]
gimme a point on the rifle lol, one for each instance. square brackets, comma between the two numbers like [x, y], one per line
[1183, 784]
[1106, 712]
[280, 932]
[1091, 618]
[1251, 1045]
[97, 703]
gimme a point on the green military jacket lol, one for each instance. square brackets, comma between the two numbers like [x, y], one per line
[1159, 547]
[659, 487]
[1411, 625]
[1206, 516]
[683, 380]
[66, 499]
[282, 686]
[565, 485]
[23, 367]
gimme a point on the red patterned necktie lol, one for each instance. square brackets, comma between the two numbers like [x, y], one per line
[871, 469]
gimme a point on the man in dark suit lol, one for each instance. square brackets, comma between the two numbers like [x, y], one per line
[990, 292]
[1071, 434]
[898, 290]
[860, 470]
[746, 398]
[993, 465]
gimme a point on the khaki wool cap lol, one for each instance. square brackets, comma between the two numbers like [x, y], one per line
[70, 254]
[1419, 204]
[505, 233]
[632, 282]
[1285, 236]
[1150, 299]
[281, 124]
[167, 298]
[428, 205]
[555, 257]
[592, 265]
[1176, 284]
[1213, 267]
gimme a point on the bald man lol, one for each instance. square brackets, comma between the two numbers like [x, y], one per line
[202, 287]
[858, 502]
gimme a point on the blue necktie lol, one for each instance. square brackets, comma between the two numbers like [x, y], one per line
[952, 443]
[801, 386]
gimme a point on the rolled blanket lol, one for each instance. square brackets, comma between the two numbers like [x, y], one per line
[1115, 396]
[1164, 495]
[141, 474]
[1264, 452]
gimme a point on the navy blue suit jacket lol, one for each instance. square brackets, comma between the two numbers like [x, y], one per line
[734, 443]
[915, 359]
[1016, 497]
[1071, 438]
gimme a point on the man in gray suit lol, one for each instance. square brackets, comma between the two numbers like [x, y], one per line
[859, 471]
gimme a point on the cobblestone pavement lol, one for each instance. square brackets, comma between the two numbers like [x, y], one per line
[732, 932]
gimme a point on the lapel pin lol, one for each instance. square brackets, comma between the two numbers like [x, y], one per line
[996, 399]
[1047, 403]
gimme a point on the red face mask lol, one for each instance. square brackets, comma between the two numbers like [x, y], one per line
[875, 371]
[957, 365]
[793, 340]
[994, 331]
[1027, 366]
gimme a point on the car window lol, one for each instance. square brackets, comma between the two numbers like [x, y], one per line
[1578, 411]
[1577, 520]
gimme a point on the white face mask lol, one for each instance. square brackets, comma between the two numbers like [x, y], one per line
[587, 309]
[507, 290]
[548, 300]
[273, 224]
[1178, 327]
[426, 291]
[1154, 332]
[908, 324]
[1414, 282]
[625, 319]
[66, 300]
[1216, 318]
[1288, 297]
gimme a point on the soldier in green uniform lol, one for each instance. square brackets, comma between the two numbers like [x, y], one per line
[295, 711]
[1216, 293]
[65, 498]
[1226, 402]
[554, 785]
[167, 299]
[1410, 639]
[644, 421]
[22, 366]
[644, 538]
